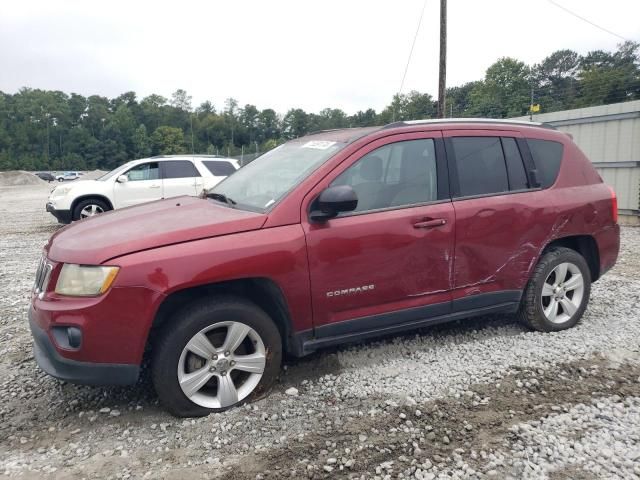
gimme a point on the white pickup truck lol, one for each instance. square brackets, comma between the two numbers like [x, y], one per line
[139, 181]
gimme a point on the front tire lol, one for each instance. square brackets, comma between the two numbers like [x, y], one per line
[215, 354]
[89, 208]
[558, 293]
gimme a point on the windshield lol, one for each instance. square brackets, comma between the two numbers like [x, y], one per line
[267, 179]
[110, 174]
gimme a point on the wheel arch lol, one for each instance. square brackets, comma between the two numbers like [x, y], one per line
[262, 291]
[88, 196]
[585, 245]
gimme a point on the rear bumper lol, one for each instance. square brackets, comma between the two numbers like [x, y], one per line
[86, 373]
[608, 241]
[63, 216]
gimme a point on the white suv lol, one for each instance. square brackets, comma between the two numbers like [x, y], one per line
[137, 182]
[68, 176]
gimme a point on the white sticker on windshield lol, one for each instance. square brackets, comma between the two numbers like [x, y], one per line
[319, 144]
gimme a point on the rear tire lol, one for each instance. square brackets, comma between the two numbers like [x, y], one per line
[558, 292]
[239, 352]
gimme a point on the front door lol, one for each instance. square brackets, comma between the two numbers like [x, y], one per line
[389, 261]
[143, 185]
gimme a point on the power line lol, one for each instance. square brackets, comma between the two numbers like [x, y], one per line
[552, 2]
[413, 44]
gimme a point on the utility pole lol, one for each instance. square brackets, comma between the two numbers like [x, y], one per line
[442, 80]
[531, 104]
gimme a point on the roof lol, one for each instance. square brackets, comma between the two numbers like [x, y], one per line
[348, 135]
[186, 155]
[448, 121]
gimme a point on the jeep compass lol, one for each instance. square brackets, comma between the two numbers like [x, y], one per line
[335, 237]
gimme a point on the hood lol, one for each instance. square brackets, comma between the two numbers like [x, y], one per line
[95, 240]
[77, 183]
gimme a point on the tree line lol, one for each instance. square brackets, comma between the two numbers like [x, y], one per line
[42, 130]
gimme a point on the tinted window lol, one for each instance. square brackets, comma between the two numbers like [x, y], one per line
[546, 155]
[179, 169]
[144, 171]
[480, 165]
[395, 175]
[515, 167]
[219, 168]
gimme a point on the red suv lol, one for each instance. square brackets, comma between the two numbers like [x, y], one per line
[331, 238]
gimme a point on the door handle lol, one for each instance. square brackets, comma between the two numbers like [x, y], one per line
[154, 186]
[437, 222]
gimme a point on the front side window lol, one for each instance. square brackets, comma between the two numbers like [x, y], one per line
[267, 179]
[480, 165]
[179, 169]
[144, 171]
[394, 175]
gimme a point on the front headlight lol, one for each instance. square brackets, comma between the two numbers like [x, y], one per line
[60, 191]
[85, 280]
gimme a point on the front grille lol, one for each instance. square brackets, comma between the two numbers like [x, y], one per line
[42, 276]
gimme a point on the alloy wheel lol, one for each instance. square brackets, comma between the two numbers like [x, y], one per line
[562, 293]
[91, 210]
[221, 364]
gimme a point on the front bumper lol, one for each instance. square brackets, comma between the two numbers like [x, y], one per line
[63, 216]
[86, 373]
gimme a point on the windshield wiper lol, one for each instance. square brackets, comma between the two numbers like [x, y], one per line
[221, 197]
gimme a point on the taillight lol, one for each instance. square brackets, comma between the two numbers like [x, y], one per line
[614, 205]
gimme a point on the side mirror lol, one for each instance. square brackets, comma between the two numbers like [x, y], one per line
[332, 201]
[122, 179]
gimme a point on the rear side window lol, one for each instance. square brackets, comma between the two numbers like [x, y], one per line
[480, 165]
[547, 156]
[179, 169]
[219, 168]
[515, 167]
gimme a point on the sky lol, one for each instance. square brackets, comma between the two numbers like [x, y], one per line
[348, 54]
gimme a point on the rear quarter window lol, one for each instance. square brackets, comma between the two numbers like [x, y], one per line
[219, 168]
[547, 156]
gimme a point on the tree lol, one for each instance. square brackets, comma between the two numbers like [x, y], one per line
[556, 80]
[141, 143]
[167, 140]
[505, 91]
[43, 129]
[295, 123]
[181, 101]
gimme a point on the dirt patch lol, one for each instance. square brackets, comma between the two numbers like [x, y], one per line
[18, 177]
[445, 431]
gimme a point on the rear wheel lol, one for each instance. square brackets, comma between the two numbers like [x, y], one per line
[89, 208]
[215, 354]
[558, 292]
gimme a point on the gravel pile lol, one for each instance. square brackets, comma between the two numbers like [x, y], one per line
[18, 177]
[93, 174]
[474, 399]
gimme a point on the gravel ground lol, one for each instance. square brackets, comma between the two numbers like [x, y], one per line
[474, 399]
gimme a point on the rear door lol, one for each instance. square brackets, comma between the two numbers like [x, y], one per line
[388, 262]
[143, 185]
[495, 216]
[179, 177]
